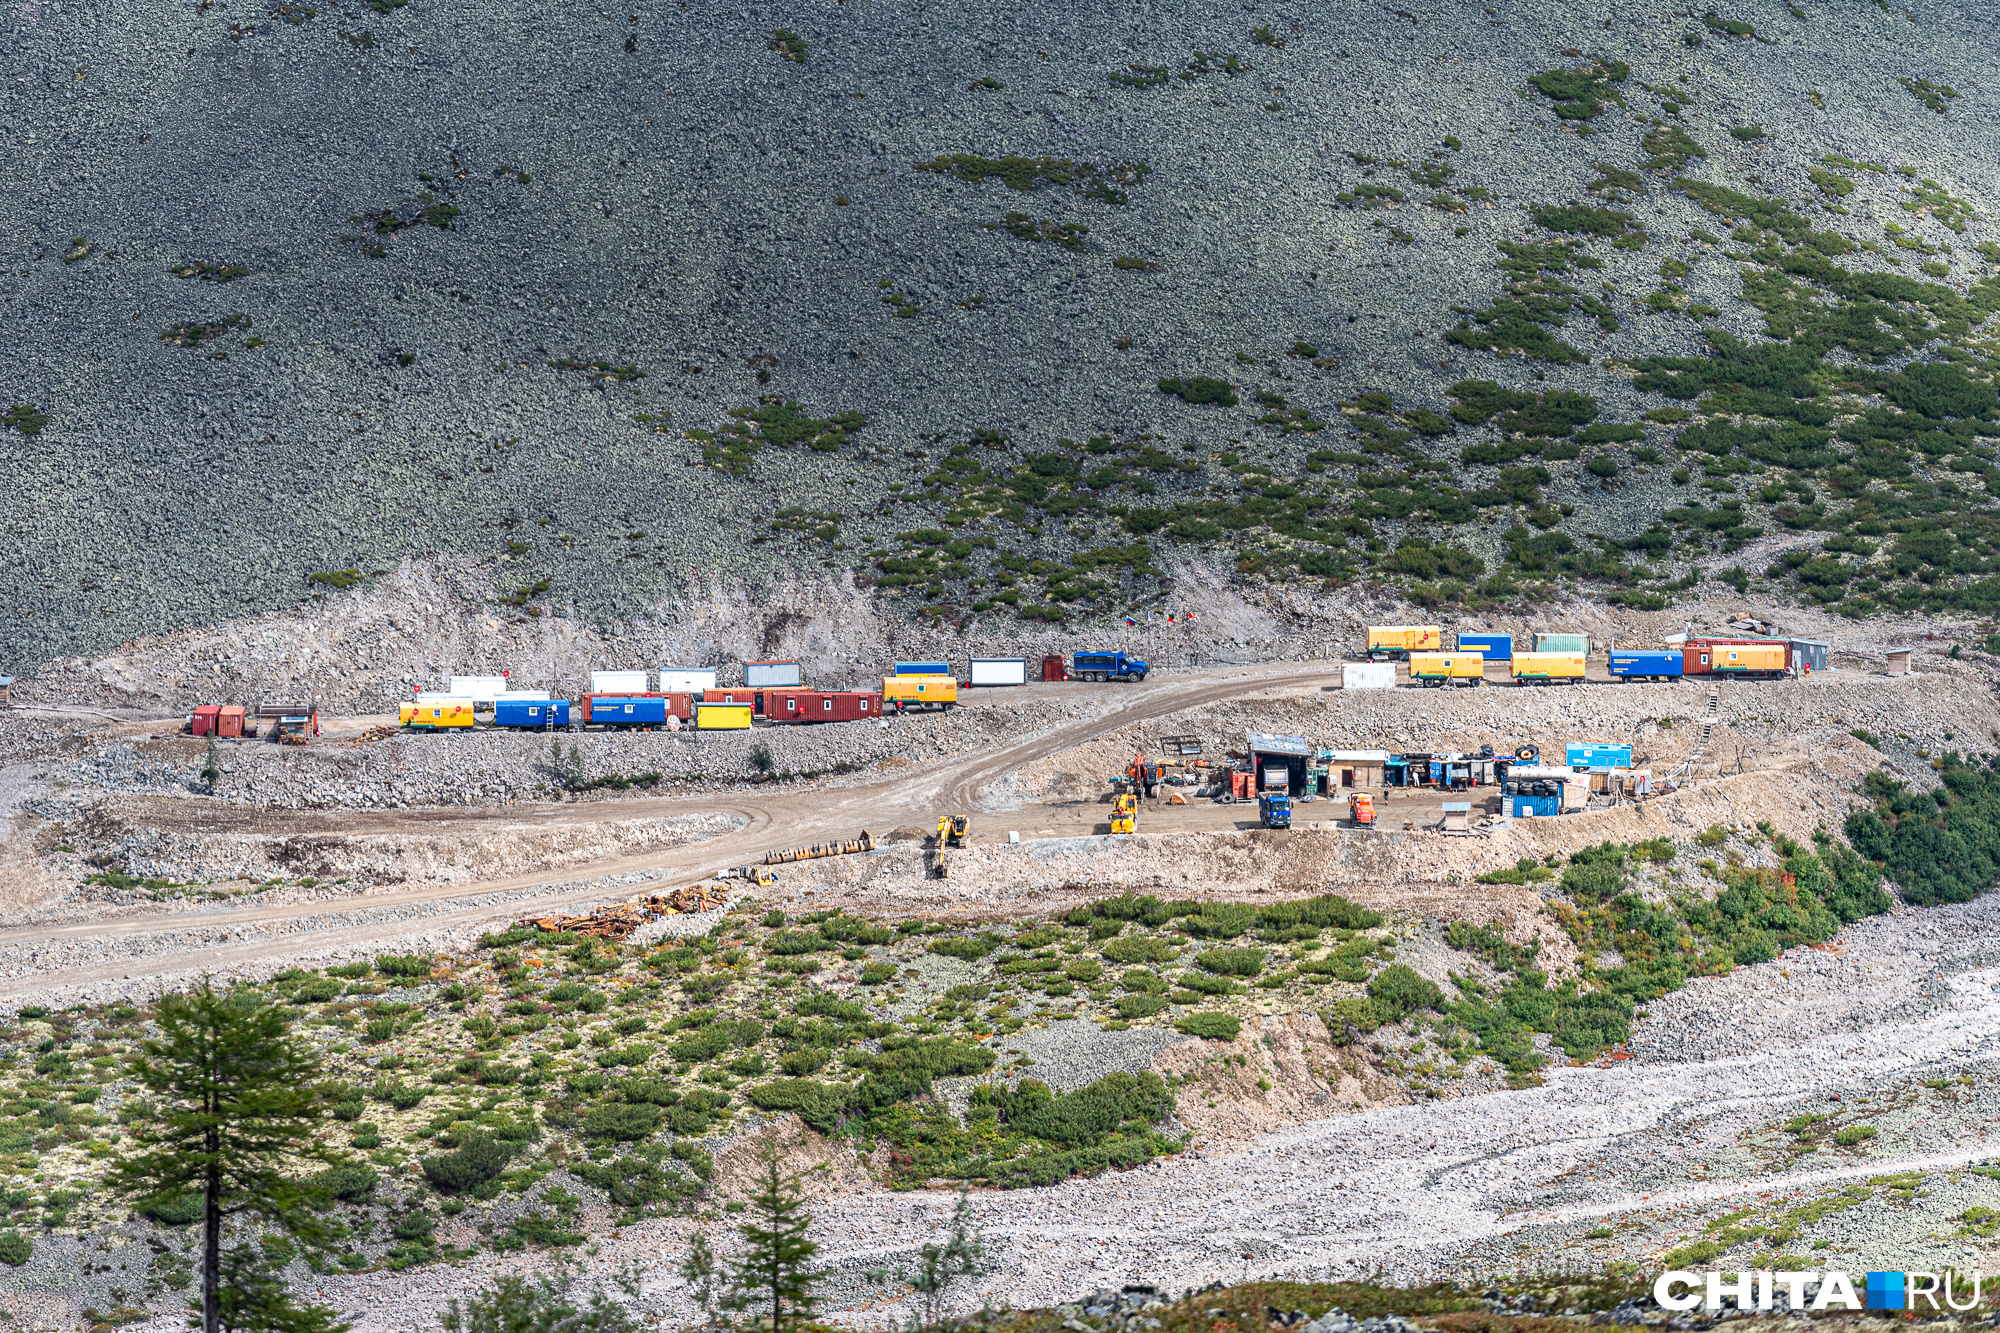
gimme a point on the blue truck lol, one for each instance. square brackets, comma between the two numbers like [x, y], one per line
[1499, 646]
[1106, 666]
[1597, 754]
[1274, 808]
[1646, 664]
[536, 714]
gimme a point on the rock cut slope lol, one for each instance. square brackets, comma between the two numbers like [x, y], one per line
[1000, 311]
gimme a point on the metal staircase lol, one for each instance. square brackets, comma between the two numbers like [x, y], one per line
[1709, 720]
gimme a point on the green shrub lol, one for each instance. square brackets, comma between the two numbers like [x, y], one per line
[1854, 1134]
[1073, 1119]
[1350, 1016]
[350, 1181]
[622, 1122]
[15, 1249]
[1398, 992]
[1213, 1026]
[1201, 389]
[478, 1159]
[1221, 921]
[175, 1212]
[1138, 949]
[1232, 962]
[1139, 1006]
[967, 948]
[1195, 981]
[403, 965]
[1938, 847]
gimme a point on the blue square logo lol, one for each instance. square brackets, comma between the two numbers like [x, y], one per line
[1885, 1291]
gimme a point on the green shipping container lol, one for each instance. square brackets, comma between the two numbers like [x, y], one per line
[1562, 643]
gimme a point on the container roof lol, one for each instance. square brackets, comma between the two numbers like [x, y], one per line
[1359, 756]
[1264, 743]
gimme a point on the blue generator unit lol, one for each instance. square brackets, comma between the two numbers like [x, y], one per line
[1499, 646]
[1646, 664]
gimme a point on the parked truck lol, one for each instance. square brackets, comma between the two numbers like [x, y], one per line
[1393, 643]
[1106, 665]
[1274, 808]
[1645, 664]
[1440, 669]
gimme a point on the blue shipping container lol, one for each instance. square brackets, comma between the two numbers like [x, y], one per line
[922, 669]
[1598, 754]
[1537, 805]
[1647, 662]
[1487, 645]
[634, 712]
[531, 713]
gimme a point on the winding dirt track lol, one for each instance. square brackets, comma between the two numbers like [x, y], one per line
[775, 817]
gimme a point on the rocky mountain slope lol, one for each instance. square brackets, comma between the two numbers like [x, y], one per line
[1007, 314]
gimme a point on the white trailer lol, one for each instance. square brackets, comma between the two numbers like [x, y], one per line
[769, 675]
[482, 690]
[618, 682]
[999, 671]
[1368, 676]
[686, 680]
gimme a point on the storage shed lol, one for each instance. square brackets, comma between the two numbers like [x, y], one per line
[687, 680]
[1457, 817]
[1809, 655]
[1279, 761]
[6, 691]
[1899, 662]
[1368, 676]
[1355, 770]
[766, 674]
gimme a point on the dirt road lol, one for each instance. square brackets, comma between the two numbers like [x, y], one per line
[773, 817]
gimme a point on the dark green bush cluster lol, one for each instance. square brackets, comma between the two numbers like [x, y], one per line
[1941, 846]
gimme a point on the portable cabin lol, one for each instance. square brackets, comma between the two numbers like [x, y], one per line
[1457, 772]
[1486, 644]
[799, 706]
[1395, 642]
[686, 680]
[1355, 770]
[6, 691]
[1597, 754]
[1279, 762]
[437, 713]
[919, 692]
[1645, 664]
[996, 671]
[1368, 676]
[484, 691]
[530, 714]
[1546, 668]
[1531, 789]
[1899, 662]
[1809, 655]
[737, 696]
[1562, 643]
[297, 720]
[625, 683]
[764, 675]
[1755, 658]
[624, 712]
[722, 717]
[1457, 817]
[1440, 669]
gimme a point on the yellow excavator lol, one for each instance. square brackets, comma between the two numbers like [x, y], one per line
[952, 830]
[1125, 814]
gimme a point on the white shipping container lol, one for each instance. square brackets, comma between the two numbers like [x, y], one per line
[618, 682]
[479, 689]
[765, 675]
[999, 671]
[1368, 676]
[686, 680]
[533, 695]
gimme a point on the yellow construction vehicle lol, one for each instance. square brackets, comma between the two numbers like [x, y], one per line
[952, 830]
[1125, 814]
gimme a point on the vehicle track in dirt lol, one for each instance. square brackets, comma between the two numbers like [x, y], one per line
[777, 817]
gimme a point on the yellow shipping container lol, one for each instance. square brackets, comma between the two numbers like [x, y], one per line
[436, 716]
[1547, 668]
[1402, 640]
[722, 717]
[1749, 657]
[1437, 669]
[919, 691]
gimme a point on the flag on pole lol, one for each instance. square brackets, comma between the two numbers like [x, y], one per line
[1188, 616]
[1130, 621]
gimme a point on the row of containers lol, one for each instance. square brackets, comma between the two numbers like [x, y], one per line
[1564, 659]
[1527, 785]
[674, 698]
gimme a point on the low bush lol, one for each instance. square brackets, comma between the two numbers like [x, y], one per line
[1213, 1026]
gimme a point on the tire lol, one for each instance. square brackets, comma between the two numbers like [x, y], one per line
[1139, 679]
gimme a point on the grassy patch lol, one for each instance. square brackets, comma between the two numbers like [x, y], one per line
[731, 445]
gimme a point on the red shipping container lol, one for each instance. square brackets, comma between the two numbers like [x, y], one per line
[203, 723]
[1053, 669]
[821, 705]
[850, 705]
[229, 720]
[789, 705]
[1697, 659]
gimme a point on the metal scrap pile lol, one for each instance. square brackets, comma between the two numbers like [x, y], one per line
[851, 847]
[621, 919]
